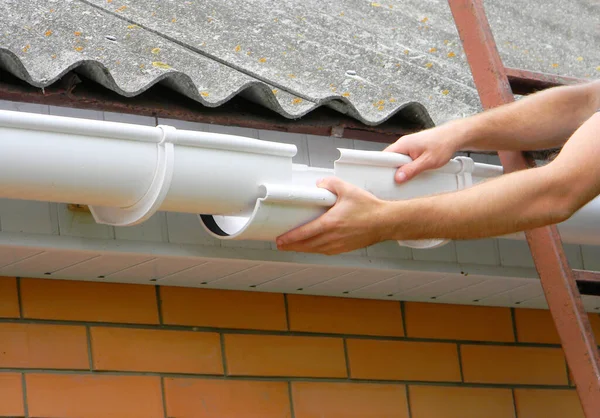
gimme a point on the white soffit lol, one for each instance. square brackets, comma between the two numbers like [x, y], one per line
[54, 257]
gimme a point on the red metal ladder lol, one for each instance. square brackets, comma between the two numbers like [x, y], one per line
[559, 281]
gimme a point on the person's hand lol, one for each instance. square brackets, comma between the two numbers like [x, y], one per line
[429, 149]
[350, 224]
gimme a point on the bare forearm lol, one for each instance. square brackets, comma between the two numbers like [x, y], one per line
[540, 121]
[507, 204]
[510, 203]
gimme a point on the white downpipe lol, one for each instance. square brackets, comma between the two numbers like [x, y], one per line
[241, 188]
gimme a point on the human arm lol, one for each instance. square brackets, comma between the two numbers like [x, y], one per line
[539, 121]
[510, 203]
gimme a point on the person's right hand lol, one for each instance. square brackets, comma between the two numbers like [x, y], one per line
[429, 149]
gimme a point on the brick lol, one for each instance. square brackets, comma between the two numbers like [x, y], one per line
[11, 393]
[403, 360]
[147, 350]
[88, 301]
[458, 322]
[43, 346]
[460, 402]
[595, 323]
[223, 308]
[547, 403]
[345, 400]
[537, 326]
[513, 365]
[344, 316]
[270, 355]
[202, 398]
[93, 396]
[9, 301]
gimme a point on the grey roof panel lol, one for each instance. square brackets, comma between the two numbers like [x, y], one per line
[362, 58]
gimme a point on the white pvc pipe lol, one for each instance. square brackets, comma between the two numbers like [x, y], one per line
[243, 188]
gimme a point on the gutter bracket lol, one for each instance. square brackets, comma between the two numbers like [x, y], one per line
[147, 206]
[464, 177]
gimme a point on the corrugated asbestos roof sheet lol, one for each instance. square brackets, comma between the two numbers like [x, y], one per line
[366, 59]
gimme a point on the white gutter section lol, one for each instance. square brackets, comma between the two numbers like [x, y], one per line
[242, 188]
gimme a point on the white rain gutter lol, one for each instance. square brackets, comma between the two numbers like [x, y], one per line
[242, 188]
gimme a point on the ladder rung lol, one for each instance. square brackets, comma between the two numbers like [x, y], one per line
[588, 282]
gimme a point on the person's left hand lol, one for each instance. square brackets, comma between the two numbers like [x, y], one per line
[350, 224]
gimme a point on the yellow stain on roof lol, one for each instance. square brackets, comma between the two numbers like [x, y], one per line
[161, 65]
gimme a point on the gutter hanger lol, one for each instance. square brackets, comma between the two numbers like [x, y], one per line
[242, 188]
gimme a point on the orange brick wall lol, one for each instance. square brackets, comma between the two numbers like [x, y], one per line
[82, 349]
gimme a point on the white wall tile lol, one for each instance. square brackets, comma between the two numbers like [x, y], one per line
[183, 124]
[322, 150]
[233, 130]
[129, 118]
[299, 140]
[153, 229]
[389, 249]
[369, 145]
[24, 107]
[574, 255]
[445, 253]
[591, 257]
[257, 245]
[76, 113]
[483, 251]
[514, 253]
[81, 224]
[185, 228]
[28, 217]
